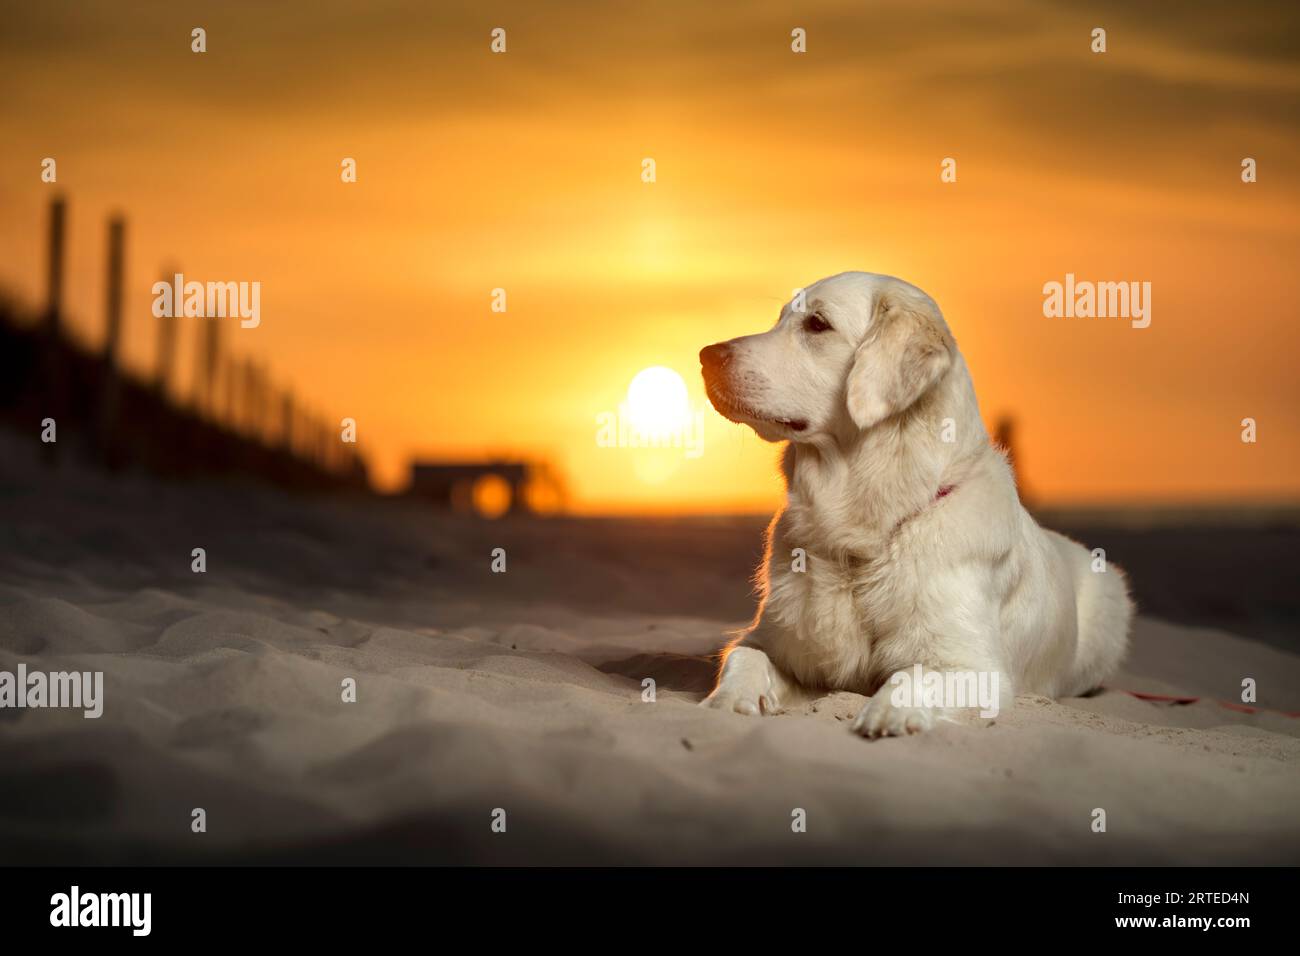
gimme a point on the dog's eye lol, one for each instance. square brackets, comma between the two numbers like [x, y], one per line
[815, 323]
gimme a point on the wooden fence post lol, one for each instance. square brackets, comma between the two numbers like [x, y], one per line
[107, 432]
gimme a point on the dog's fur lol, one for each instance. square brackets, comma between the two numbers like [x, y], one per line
[918, 550]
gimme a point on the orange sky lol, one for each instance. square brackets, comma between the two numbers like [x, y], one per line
[522, 171]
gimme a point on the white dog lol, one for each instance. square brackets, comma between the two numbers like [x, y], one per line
[915, 547]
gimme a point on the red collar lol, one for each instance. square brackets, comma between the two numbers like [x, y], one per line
[943, 492]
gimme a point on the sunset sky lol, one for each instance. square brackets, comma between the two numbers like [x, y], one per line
[523, 171]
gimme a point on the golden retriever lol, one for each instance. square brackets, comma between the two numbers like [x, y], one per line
[903, 553]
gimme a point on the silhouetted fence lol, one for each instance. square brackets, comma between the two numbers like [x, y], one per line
[236, 424]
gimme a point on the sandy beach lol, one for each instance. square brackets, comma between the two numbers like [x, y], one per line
[524, 691]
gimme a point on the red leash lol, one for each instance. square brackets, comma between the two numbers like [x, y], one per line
[1167, 699]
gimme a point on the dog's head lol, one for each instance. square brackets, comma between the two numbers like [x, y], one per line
[853, 350]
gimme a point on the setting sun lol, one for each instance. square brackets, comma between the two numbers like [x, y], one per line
[657, 402]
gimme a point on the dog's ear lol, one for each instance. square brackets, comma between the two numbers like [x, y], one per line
[906, 351]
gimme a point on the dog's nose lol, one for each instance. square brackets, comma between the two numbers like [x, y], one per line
[715, 356]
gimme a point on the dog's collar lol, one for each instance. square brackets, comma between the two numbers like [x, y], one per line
[943, 492]
[851, 558]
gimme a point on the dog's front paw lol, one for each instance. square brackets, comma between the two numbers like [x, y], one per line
[742, 703]
[746, 684]
[883, 718]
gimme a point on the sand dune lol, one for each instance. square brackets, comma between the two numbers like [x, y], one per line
[523, 691]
